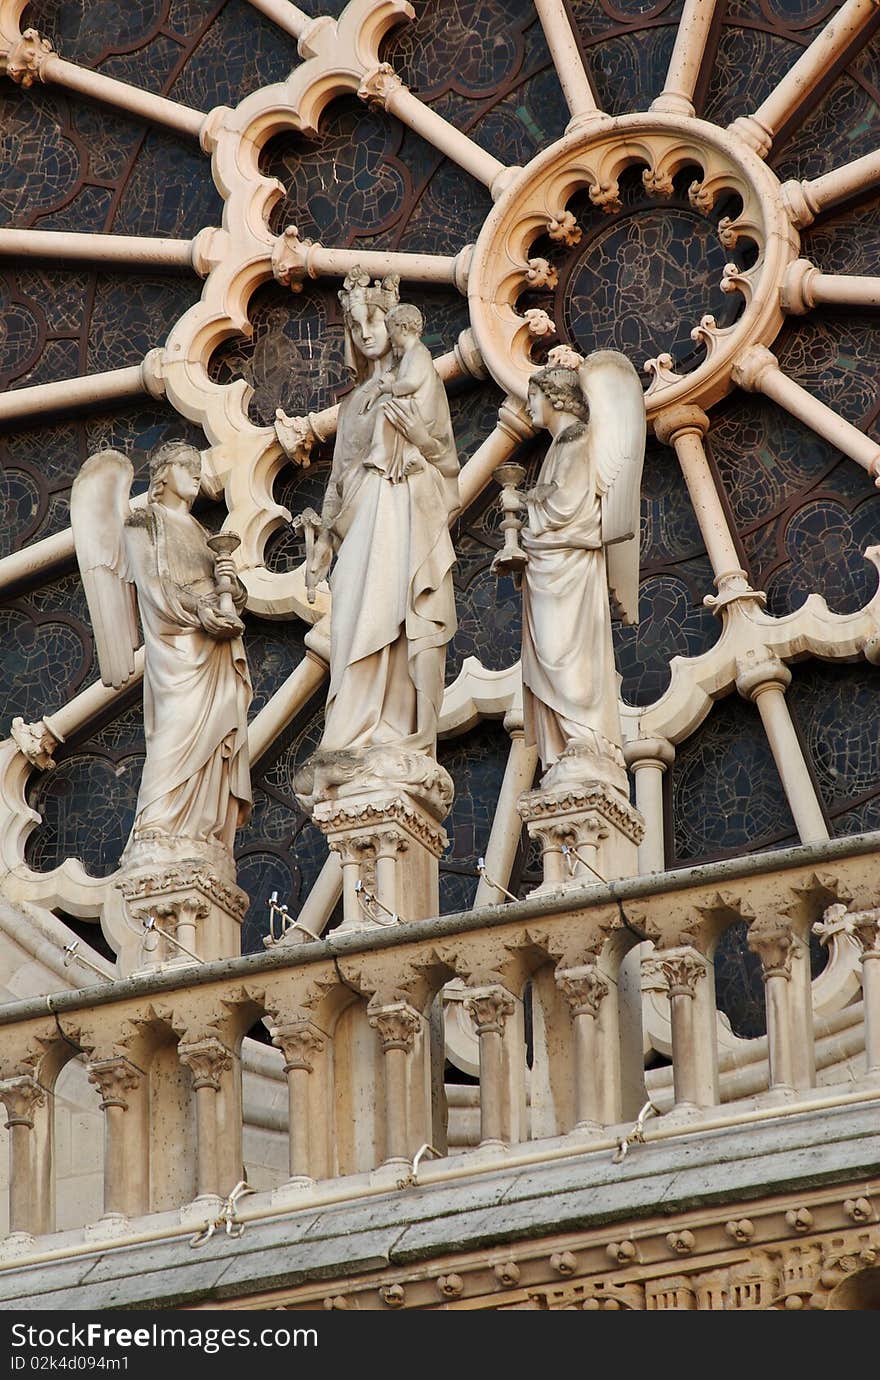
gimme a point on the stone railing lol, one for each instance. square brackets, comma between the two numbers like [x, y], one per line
[357, 1018]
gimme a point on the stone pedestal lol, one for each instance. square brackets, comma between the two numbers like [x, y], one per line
[588, 832]
[191, 894]
[391, 844]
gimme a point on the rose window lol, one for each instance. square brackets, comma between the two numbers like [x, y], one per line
[183, 186]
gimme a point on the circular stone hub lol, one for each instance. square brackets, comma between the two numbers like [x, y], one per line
[625, 289]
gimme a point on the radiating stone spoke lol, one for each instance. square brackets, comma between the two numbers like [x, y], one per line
[573, 77]
[136, 250]
[796, 91]
[116, 385]
[757, 371]
[294, 259]
[32, 58]
[286, 15]
[685, 65]
[810, 198]
[806, 286]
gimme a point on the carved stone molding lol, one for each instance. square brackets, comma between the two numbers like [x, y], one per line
[36, 741]
[26, 58]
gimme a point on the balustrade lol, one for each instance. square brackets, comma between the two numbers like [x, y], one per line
[351, 1019]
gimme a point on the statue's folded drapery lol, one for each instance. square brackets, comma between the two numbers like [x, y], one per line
[196, 781]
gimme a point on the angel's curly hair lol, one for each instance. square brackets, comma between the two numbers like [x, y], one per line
[562, 387]
[168, 453]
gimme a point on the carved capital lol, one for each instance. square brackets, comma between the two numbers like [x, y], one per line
[681, 969]
[21, 1097]
[398, 1024]
[866, 930]
[298, 1042]
[751, 367]
[378, 86]
[207, 1060]
[754, 677]
[26, 58]
[680, 420]
[36, 741]
[771, 938]
[488, 1008]
[658, 753]
[290, 258]
[114, 1078]
[583, 987]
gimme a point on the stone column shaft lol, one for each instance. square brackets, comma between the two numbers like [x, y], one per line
[115, 1077]
[22, 1095]
[207, 1059]
[397, 1024]
[489, 1008]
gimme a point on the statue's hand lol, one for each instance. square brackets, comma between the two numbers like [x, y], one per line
[405, 416]
[222, 626]
[322, 557]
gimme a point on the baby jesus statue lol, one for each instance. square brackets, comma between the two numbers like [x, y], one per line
[415, 377]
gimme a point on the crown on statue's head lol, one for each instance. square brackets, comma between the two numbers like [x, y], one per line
[357, 290]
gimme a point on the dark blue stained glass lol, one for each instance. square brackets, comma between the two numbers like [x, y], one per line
[474, 409]
[669, 529]
[87, 806]
[629, 71]
[300, 743]
[595, 22]
[765, 458]
[43, 663]
[826, 353]
[57, 294]
[489, 624]
[747, 66]
[739, 985]
[39, 164]
[293, 359]
[123, 733]
[445, 314]
[87, 210]
[111, 138]
[824, 544]
[132, 314]
[671, 623]
[469, 45]
[59, 359]
[347, 182]
[20, 334]
[846, 241]
[274, 650]
[260, 874]
[727, 797]
[449, 213]
[21, 502]
[149, 68]
[169, 192]
[84, 31]
[239, 53]
[296, 488]
[843, 126]
[476, 764]
[186, 16]
[837, 709]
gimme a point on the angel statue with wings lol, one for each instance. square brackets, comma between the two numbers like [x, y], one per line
[195, 790]
[581, 545]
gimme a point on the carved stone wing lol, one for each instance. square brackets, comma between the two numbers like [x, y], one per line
[617, 443]
[99, 505]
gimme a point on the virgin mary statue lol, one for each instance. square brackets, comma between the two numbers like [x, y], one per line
[393, 607]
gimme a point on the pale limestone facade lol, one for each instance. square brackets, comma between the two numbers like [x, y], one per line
[135, 1098]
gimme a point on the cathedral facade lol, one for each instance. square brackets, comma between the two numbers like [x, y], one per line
[492, 927]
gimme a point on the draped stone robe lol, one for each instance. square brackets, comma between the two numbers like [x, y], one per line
[196, 779]
[569, 677]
